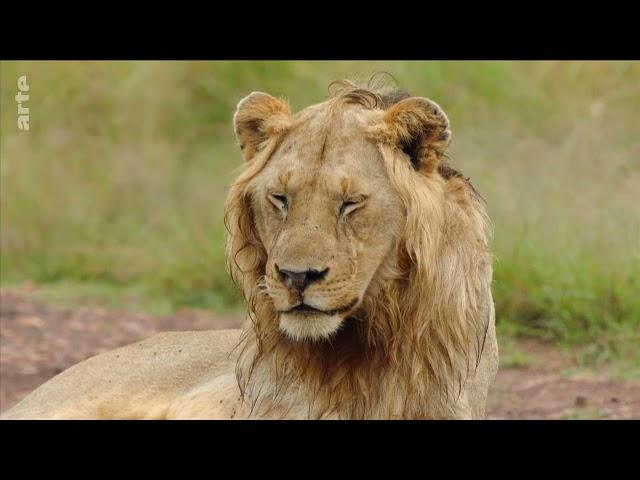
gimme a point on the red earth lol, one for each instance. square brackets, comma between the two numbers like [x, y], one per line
[38, 341]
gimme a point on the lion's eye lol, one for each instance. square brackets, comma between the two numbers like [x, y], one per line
[279, 201]
[349, 206]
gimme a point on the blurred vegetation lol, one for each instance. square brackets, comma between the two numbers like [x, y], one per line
[116, 193]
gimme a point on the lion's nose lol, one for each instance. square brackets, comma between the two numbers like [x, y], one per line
[301, 280]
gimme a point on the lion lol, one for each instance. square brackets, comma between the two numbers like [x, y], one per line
[365, 264]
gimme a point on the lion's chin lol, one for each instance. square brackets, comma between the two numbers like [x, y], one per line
[309, 325]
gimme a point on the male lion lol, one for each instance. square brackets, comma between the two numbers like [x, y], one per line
[364, 261]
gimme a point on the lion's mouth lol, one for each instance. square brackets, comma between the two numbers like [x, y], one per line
[305, 308]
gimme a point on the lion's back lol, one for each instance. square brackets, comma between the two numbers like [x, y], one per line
[139, 380]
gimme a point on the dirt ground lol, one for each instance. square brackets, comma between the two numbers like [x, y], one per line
[38, 341]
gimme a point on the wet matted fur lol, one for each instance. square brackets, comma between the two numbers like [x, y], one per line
[365, 264]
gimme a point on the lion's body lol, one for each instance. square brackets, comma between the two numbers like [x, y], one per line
[365, 263]
[160, 377]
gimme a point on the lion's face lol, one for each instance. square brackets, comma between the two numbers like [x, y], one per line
[327, 215]
[316, 204]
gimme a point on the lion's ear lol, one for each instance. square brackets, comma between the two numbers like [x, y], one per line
[258, 117]
[420, 128]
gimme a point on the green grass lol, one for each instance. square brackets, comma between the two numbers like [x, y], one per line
[585, 414]
[511, 355]
[115, 195]
[136, 297]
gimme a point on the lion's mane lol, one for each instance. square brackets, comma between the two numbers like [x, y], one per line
[420, 330]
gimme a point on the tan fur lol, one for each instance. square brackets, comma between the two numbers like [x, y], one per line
[403, 325]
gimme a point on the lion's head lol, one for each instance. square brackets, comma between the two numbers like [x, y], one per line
[354, 244]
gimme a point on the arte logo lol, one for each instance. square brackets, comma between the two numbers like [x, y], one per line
[23, 112]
